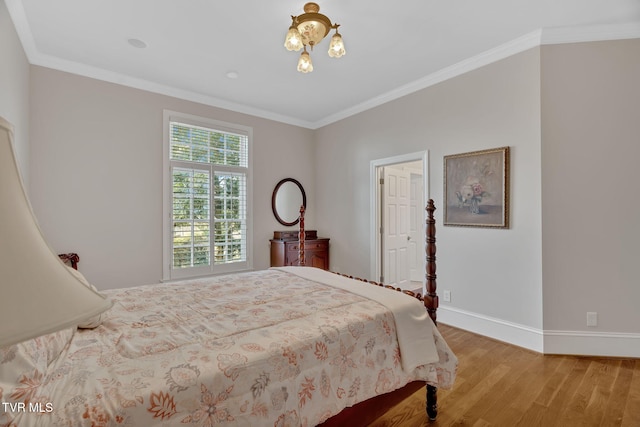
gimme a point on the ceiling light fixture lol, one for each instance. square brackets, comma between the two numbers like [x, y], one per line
[309, 29]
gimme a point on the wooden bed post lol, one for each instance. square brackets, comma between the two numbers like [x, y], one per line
[301, 236]
[431, 296]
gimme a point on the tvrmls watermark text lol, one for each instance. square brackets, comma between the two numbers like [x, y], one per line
[39, 407]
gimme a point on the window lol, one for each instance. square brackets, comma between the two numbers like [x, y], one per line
[207, 186]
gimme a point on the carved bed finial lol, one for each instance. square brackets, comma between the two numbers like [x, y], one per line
[301, 236]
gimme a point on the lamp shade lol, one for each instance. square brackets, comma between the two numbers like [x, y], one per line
[304, 63]
[38, 293]
[293, 40]
[336, 47]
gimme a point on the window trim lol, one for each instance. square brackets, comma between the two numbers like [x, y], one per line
[168, 273]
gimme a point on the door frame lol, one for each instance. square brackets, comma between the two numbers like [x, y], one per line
[375, 168]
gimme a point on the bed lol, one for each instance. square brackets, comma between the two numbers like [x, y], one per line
[291, 346]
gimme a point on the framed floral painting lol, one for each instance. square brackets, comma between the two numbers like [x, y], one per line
[476, 189]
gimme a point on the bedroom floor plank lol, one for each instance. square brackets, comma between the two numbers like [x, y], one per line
[631, 415]
[604, 375]
[490, 405]
[502, 385]
[555, 380]
[558, 406]
[513, 392]
[615, 412]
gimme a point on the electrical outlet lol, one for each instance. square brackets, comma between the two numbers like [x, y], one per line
[592, 318]
[446, 295]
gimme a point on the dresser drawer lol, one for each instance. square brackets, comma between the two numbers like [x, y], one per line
[319, 245]
[316, 245]
[287, 252]
[293, 235]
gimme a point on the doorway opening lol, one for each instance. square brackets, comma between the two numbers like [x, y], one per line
[399, 191]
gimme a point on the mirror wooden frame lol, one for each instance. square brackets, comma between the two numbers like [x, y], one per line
[297, 209]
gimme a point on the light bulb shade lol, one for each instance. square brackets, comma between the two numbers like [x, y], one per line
[38, 293]
[304, 63]
[336, 47]
[293, 40]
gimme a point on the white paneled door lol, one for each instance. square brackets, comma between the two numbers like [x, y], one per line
[396, 226]
[416, 229]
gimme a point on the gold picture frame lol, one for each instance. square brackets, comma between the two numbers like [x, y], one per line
[476, 189]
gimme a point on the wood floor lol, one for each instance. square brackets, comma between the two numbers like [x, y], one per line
[502, 385]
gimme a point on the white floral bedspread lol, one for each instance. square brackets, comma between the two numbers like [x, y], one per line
[266, 348]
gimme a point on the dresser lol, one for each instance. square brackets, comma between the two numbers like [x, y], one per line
[285, 249]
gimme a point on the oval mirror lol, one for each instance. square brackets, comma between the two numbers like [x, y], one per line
[286, 200]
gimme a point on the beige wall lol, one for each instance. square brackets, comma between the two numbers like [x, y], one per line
[571, 115]
[96, 171]
[14, 89]
[491, 273]
[590, 173]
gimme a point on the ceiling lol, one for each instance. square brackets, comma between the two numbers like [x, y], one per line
[392, 50]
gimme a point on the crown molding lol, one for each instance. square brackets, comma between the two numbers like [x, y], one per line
[19, 19]
[89, 71]
[561, 35]
[543, 36]
[35, 57]
[503, 51]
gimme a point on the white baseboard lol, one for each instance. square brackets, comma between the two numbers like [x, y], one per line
[509, 332]
[610, 344]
